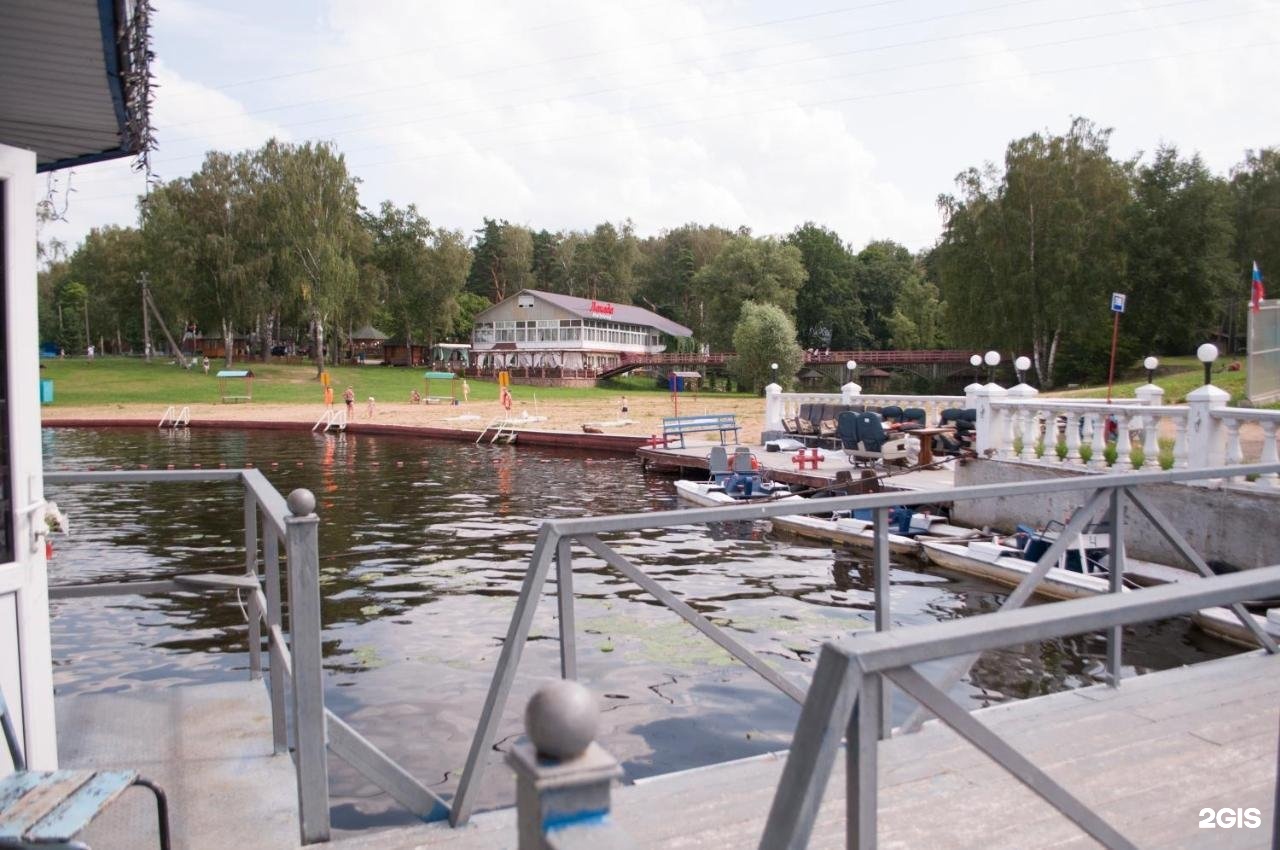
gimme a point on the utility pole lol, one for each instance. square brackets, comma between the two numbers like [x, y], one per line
[146, 319]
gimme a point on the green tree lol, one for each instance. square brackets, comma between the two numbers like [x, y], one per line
[550, 267]
[829, 312]
[469, 306]
[765, 335]
[881, 270]
[311, 201]
[917, 318]
[501, 260]
[1029, 255]
[1178, 244]
[1255, 187]
[72, 299]
[666, 269]
[747, 269]
[602, 263]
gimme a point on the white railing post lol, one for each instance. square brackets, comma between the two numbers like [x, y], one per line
[1123, 448]
[971, 394]
[1074, 424]
[1269, 450]
[1098, 441]
[772, 412]
[849, 393]
[990, 427]
[1024, 394]
[1204, 437]
[1150, 441]
[1234, 453]
[1149, 395]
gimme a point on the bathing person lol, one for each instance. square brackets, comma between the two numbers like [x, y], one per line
[350, 398]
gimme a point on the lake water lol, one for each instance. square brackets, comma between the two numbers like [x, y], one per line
[423, 548]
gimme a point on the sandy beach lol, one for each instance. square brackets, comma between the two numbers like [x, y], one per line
[643, 418]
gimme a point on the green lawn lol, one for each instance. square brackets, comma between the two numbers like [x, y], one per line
[124, 380]
[1177, 376]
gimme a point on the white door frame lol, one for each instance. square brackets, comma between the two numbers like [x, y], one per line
[24, 588]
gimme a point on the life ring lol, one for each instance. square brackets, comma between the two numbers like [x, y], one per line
[755, 462]
[506, 398]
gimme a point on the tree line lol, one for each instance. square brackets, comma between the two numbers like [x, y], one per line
[274, 244]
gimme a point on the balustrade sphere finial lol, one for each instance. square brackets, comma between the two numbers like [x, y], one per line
[1151, 364]
[1022, 364]
[562, 719]
[301, 502]
[991, 358]
[975, 360]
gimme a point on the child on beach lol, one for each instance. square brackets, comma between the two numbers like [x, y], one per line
[350, 398]
[622, 408]
[414, 397]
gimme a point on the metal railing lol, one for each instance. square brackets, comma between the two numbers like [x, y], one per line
[845, 699]
[556, 540]
[295, 670]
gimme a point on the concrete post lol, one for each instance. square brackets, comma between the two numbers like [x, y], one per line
[563, 778]
[849, 393]
[989, 439]
[971, 394]
[772, 413]
[1206, 445]
[1149, 395]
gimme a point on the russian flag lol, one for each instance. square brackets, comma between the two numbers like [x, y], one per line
[1258, 293]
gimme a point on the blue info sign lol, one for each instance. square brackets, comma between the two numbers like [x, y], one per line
[1117, 302]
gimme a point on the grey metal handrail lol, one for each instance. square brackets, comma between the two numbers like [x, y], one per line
[295, 673]
[846, 689]
[556, 539]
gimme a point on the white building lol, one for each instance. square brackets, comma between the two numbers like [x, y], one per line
[74, 83]
[563, 336]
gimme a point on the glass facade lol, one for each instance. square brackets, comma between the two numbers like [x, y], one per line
[565, 331]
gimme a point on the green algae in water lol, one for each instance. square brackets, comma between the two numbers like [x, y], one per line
[672, 643]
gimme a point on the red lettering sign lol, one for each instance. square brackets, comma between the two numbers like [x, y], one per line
[604, 309]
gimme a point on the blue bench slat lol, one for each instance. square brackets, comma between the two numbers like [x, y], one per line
[15, 785]
[74, 813]
[28, 809]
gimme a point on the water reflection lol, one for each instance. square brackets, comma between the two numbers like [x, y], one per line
[424, 547]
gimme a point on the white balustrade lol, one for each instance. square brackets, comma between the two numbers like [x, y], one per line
[1249, 436]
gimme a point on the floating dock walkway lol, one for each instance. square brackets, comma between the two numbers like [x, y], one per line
[1148, 756]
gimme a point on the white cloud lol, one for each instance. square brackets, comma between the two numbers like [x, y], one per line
[567, 113]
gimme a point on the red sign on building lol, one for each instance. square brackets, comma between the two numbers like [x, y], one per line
[601, 308]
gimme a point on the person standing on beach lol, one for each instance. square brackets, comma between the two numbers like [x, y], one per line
[622, 408]
[466, 390]
[350, 398]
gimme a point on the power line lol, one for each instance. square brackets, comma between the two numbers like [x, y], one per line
[669, 81]
[833, 101]
[615, 50]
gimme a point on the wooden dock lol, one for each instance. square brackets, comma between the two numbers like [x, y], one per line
[691, 461]
[1148, 756]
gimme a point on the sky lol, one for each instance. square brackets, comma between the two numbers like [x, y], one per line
[567, 113]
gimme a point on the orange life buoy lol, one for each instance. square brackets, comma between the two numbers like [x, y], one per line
[755, 462]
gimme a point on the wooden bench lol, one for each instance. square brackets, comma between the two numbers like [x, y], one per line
[678, 426]
[52, 807]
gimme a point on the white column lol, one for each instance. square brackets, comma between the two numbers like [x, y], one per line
[1098, 445]
[1074, 422]
[1269, 450]
[1025, 394]
[773, 408]
[1149, 395]
[1124, 461]
[971, 394]
[991, 420]
[849, 393]
[1205, 443]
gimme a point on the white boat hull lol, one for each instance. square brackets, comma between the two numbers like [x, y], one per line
[856, 532]
[1057, 583]
[708, 495]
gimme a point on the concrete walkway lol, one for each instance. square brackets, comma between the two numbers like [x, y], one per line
[1149, 756]
[208, 746]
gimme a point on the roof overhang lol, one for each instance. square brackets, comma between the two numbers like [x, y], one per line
[75, 80]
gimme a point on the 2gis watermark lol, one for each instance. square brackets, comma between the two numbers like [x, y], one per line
[1230, 818]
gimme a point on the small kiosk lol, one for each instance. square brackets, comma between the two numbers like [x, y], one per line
[231, 380]
[428, 398]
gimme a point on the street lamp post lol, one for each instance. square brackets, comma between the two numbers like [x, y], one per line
[774, 367]
[976, 362]
[1021, 365]
[851, 365]
[1206, 354]
[1151, 364]
[992, 359]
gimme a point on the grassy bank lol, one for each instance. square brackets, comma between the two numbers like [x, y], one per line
[1177, 376]
[121, 380]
